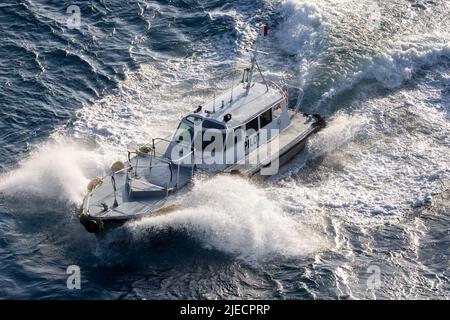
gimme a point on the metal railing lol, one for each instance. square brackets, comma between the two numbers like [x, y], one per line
[162, 157]
[129, 168]
[299, 97]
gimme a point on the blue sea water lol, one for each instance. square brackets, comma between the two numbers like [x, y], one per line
[368, 195]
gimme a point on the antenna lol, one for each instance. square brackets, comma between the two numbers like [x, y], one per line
[232, 87]
[255, 55]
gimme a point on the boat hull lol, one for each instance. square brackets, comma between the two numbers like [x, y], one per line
[291, 142]
[298, 147]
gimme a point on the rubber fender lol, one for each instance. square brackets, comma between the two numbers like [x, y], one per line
[117, 166]
[94, 183]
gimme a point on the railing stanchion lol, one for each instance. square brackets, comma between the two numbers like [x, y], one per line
[192, 164]
[113, 180]
[137, 164]
[178, 176]
[151, 162]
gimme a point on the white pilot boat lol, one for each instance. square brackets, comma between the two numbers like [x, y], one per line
[251, 129]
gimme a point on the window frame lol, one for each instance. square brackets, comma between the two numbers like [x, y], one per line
[261, 126]
[257, 123]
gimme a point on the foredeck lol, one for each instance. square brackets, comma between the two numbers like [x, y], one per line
[149, 184]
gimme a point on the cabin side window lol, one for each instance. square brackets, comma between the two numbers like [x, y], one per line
[252, 125]
[265, 118]
[238, 134]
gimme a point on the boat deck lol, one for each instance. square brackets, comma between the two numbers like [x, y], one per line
[147, 189]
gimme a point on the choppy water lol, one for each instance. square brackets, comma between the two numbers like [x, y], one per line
[73, 100]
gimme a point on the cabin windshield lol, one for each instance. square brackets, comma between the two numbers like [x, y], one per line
[186, 132]
[213, 128]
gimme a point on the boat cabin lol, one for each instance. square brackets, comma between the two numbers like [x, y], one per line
[242, 118]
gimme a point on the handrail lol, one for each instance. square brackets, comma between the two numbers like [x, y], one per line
[235, 82]
[113, 173]
[276, 85]
[169, 141]
[181, 159]
[299, 98]
[162, 139]
[164, 159]
[299, 102]
[170, 162]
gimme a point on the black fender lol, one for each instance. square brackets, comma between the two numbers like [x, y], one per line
[91, 224]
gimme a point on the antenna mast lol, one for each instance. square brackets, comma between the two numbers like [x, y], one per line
[254, 62]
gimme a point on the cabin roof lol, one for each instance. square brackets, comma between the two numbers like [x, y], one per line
[244, 107]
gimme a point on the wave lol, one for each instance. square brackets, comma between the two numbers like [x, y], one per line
[54, 171]
[392, 69]
[236, 217]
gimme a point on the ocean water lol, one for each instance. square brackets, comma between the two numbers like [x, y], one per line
[362, 213]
